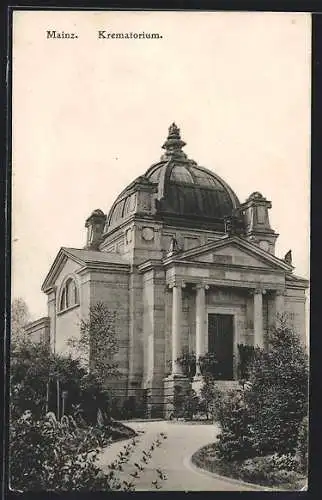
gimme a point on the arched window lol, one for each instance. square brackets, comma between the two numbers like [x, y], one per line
[62, 304]
[69, 295]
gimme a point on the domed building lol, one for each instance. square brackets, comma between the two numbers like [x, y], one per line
[185, 266]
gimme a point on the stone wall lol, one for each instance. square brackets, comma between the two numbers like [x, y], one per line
[136, 341]
[154, 338]
[129, 239]
[296, 312]
[112, 288]
[67, 323]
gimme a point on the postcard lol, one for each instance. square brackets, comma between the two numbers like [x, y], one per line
[160, 250]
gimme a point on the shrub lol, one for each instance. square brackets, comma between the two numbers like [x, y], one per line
[264, 418]
[246, 354]
[269, 470]
[185, 403]
[35, 369]
[47, 455]
[302, 444]
[278, 395]
[210, 397]
[187, 361]
[209, 365]
[236, 440]
[190, 405]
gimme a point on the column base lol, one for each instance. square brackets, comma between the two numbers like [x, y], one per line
[174, 384]
[175, 376]
[154, 397]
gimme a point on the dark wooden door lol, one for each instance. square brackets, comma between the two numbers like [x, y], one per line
[221, 343]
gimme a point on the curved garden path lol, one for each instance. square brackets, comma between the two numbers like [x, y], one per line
[173, 457]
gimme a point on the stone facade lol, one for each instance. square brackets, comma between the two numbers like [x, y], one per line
[176, 252]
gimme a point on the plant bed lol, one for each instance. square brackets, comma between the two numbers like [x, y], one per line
[270, 471]
[118, 431]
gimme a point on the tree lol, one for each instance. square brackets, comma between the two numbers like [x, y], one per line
[265, 417]
[34, 372]
[20, 316]
[278, 395]
[29, 374]
[98, 344]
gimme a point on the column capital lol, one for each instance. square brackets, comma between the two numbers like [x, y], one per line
[200, 286]
[280, 292]
[257, 291]
[177, 284]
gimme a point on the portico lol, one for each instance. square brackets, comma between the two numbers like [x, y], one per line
[243, 310]
[202, 310]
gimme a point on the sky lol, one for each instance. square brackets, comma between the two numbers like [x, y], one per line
[90, 115]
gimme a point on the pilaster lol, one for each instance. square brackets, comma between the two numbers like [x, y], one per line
[258, 317]
[201, 323]
[279, 305]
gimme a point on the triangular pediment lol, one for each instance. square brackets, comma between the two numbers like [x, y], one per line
[81, 258]
[57, 268]
[234, 251]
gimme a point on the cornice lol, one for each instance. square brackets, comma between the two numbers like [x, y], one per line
[63, 255]
[170, 262]
[150, 265]
[224, 283]
[44, 321]
[59, 260]
[298, 285]
[104, 267]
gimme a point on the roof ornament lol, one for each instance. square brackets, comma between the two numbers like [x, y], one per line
[174, 247]
[288, 257]
[174, 144]
[95, 224]
[234, 224]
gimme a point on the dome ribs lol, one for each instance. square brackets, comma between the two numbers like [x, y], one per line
[181, 191]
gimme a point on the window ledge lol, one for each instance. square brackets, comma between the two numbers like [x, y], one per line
[59, 313]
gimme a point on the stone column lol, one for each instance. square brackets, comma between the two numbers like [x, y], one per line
[201, 321]
[176, 327]
[258, 318]
[176, 379]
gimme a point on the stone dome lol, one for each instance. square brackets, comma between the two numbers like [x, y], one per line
[182, 191]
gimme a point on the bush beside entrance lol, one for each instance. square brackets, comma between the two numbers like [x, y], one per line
[263, 425]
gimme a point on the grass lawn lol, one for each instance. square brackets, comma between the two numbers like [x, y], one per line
[258, 470]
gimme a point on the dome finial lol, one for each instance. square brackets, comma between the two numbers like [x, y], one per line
[174, 131]
[173, 145]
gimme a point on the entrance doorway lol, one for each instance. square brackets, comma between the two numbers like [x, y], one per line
[221, 344]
